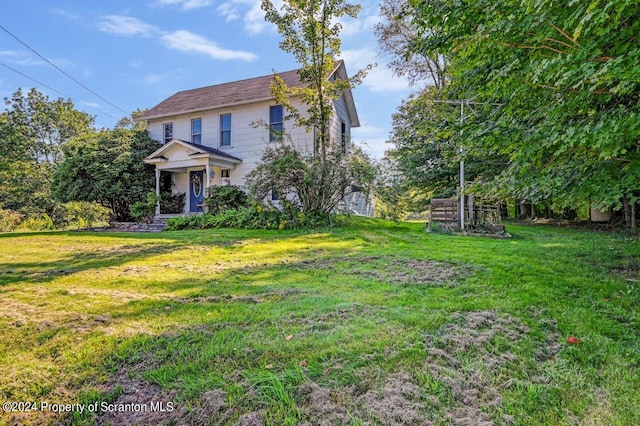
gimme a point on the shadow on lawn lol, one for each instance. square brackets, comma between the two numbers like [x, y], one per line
[41, 272]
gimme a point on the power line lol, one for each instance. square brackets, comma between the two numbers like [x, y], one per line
[61, 70]
[52, 89]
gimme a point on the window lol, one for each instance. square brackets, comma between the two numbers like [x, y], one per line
[343, 137]
[275, 123]
[274, 195]
[196, 131]
[225, 130]
[225, 177]
[168, 132]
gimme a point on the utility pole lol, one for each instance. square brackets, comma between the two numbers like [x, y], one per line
[462, 103]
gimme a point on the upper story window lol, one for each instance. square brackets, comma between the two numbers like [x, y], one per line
[196, 131]
[168, 132]
[276, 123]
[225, 130]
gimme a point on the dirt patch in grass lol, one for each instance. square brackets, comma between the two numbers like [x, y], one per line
[142, 402]
[397, 270]
[320, 407]
[397, 403]
[466, 356]
[251, 299]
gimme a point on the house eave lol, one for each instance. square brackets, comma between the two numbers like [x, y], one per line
[211, 108]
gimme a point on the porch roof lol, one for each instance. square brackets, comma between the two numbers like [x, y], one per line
[191, 150]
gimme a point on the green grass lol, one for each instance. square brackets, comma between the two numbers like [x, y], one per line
[339, 326]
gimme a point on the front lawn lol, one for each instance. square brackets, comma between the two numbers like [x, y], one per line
[375, 323]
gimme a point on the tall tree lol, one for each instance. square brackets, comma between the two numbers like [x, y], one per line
[397, 34]
[133, 121]
[310, 31]
[568, 78]
[107, 167]
[46, 124]
[32, 132]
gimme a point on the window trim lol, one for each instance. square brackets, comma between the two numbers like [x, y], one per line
[276, 135]
[164, 131]
[223, 131]
[196, 134]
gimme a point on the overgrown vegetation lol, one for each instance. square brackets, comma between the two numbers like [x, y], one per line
[71, 215]
[222, 198]
[106, 167]
[51, 156]
[258, 216]
[550, 91]
[375, 323]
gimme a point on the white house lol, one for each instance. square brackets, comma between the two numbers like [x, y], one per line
[210, 136]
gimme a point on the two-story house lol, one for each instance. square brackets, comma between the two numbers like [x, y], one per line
[211, 135]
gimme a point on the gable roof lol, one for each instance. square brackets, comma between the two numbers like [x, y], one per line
[199, 149]
[238, 93]
[220, 95]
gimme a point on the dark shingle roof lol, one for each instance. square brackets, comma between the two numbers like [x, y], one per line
[220, 95]
[210, 150]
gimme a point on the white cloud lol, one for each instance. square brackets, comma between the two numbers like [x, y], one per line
[182, 40]
[229, 11]
[19, 57]
[66, 14]
[156, 78]
[353, 27]
[186, 41]
[186, 4]
[126, 26]
[251, 12]
[254, 19]
[91, 104]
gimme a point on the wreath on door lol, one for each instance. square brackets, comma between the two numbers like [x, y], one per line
[196, 182]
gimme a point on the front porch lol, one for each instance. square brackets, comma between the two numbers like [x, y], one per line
[184, 167]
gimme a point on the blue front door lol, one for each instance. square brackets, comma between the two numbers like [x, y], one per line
[196, 190]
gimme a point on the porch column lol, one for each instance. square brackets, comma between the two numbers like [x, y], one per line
[158, 191]
[207, 172]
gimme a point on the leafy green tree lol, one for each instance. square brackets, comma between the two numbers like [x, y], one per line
[32, 132]
[397, 34]
[310, 31]
[567, 76]
[107, 167]
[133, 121]
[46, 124]
[426, 136]
[285, 170]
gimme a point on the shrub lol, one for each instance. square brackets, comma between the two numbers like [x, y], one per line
[222, 198]
[172, 203]
[39, 222]
[145, 211]
[256, 216]
[9, 220]
[79, 214]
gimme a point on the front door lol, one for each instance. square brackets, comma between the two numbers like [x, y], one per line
[196, 189]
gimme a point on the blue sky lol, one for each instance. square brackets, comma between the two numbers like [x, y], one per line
[134, 54]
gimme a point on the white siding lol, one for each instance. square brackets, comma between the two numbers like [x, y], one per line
[249, 138]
